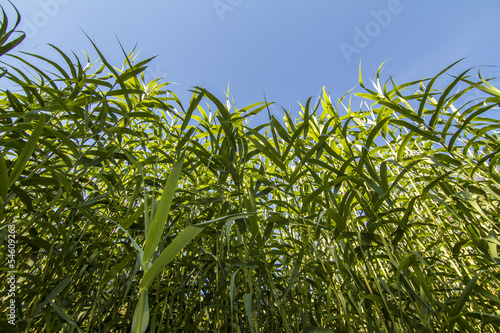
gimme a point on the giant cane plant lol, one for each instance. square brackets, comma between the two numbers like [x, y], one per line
[135, 213]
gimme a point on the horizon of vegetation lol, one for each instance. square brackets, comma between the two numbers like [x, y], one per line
[125, 210]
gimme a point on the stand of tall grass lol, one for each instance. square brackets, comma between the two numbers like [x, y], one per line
[134, 212]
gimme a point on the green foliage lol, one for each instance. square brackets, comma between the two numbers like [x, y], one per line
[135, 212]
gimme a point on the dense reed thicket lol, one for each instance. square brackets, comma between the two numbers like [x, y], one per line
[136, 213]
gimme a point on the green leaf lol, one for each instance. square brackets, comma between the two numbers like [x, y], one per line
[374, 132]
[65, 316]
[159, 220]
[315, 329]
[132, 218]
[140, 320]
[176, 246]
[402, 147]
[439, 106]
[4, 178]
[169, 253]
[247, 302]
[429, 86]
[232, 290]
[4, 34]
[117, 268]
[462, 300]
[407, 261]
[25, 154]
[57, 289]
[195, 101]
[493, 242]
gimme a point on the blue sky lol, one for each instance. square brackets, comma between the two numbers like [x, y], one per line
[287, 50]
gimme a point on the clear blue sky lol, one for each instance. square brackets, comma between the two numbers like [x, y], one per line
[287, 50]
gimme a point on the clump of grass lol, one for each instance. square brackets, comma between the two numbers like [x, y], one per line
[136, 212]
